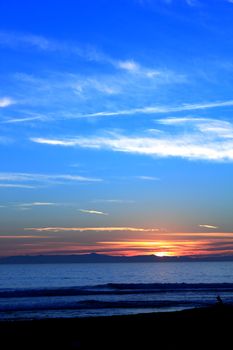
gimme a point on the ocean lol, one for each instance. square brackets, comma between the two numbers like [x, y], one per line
[82, 290]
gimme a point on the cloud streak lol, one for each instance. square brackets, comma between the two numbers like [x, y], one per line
[162, 109]
[117, 201]
[95, 212]
[202, 139]
[21, 237]
[21, 41]
[148, 178]
[130, 66]
[8, 185]
[41, 178]
[220, 128]
[17, 40]
[24, 120]
[209, 226]
[37, 204]
[92, 229]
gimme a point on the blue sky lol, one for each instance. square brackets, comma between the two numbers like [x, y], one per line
[116, 121]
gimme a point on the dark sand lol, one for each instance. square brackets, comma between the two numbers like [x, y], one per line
[203, 328]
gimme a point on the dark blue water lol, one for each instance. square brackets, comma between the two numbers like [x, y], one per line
[79, 290]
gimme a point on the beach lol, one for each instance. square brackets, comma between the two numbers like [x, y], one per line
[196, 328]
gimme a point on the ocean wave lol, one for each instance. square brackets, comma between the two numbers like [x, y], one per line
[95, 304]
[167, 286]
[118, 289]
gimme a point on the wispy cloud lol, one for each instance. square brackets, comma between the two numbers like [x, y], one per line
[169, 2]
[148, 178]
[182, 120]
[37, 204]
[133, 67]
[86, 211]
[212, 128]
[83, 93]
[17, 40]
[8, 185]
[203, 139]
[90, 229]
[24, 120]
[162, 109]
[21, 237]
[120, 201]
[6, 101]
[41, 178]
[130, 66]
[70, 94]
[209, 226]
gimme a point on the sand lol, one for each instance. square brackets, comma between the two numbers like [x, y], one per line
[203, 328]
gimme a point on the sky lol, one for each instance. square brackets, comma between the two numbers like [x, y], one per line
[116, 128]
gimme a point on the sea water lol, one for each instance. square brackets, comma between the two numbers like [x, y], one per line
[80, 290]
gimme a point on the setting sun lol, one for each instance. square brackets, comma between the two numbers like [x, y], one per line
[162, 254]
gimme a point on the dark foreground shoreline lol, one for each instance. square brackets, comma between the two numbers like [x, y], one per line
[201, 328]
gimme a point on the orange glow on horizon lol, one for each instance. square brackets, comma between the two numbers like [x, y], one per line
[162, 244]
[168, 247]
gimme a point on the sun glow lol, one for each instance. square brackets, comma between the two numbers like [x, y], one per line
[162, 254]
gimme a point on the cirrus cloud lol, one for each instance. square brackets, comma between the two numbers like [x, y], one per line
[201, 139]
[162, 109]
[12, 177]
[97, 212]
[209, 226]
[90, 229]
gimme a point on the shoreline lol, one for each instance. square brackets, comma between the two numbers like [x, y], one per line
[209, 326]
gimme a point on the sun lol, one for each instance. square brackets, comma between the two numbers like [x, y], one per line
[162, 254]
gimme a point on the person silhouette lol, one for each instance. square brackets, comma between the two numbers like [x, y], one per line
[219, 300]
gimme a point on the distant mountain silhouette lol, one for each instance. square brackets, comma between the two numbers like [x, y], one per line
[102, 258]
